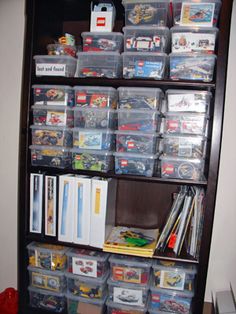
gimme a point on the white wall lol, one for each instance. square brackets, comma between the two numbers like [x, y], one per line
[222, 264]
[11, 52]
[223, 253]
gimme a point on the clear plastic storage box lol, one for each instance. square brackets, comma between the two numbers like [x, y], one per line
[182, 168]
[93, 139]
[89, 288]
[95, 118]
[116, 308]
[193, 39]
[87, 263]
[137, 142]
[128, 293]
[168, 301]
[185, 123]
[130, 269]
[61, 50]
[173, 275]
[94, 160]
[51, 135]
[50, 156]
[47, 300]
[102, 41]
[140, 98]
[188, 100]
[47, 279]
[53, 116]
[146, 12]
[184, 146]
[138, 120]
[78, 305]
[47, 256]
[55, 65]
[192, 66]
[57, 95]
[95, 97]
[146, 38]
[93, 64]
[144, 65]
[196, 13]
[135, 164]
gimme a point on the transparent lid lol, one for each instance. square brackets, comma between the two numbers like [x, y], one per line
[47, 248]
[197, 29]
[192, 55]
[50, 128]
[138, 133]
[145, 1]
[127, 285]
[96, 131]
[173, 293]
[144, 54]
[191, 137]
[101, 54]
[64, 57]
[52, 86]
[194, 1]
[46, 292]
[131, 261]
[46, 272]
[140, 111]
[135, 155]
[174, 266]
[91, 152]
[156, 29]
[184, 91]
[124, 307]
[88, 254]
[105, 34]
[99, 302]
[88, 280]
[49, 148]
[191, 115]
[181, 159]
[100, 89]
[51, 107]
[94, 109]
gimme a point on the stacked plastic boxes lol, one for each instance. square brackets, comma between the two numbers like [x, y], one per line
[86, 275]
[95, 120]
[193, 39]
[128, 284]
[184, 138]
[101, 55]
[52, 126]
[172, 287]
[137, 138]
[146, 39]
[47, 279]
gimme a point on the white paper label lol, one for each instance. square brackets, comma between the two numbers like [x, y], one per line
[128, 296]
[51, 69]
[84, 267]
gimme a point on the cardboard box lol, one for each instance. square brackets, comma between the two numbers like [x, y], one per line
[103, 210]
[102, 17]
[82, 209]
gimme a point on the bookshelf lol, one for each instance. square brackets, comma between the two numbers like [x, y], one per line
[48, 19]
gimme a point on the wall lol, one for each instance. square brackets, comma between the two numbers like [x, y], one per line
[223, 253]
[223, 250]
[11, 52]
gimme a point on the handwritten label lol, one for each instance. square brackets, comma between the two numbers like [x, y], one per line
[51, 69]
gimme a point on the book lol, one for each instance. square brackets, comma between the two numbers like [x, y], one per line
[132, 241]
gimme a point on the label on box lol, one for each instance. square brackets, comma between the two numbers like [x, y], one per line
[172, 280]
[185, 148]
[193, 42]
[148, 69]
[168, 168]
[187, 103]
[51, 69]
[197, 14]
[84, 267]
[45, 281]
[57, 118]
[127, 274]
[128, 296]
[90, 140]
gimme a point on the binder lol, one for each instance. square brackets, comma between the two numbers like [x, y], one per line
[36, 202]
[50, 205]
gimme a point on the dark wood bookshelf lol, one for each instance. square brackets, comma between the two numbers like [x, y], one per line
[47, 20]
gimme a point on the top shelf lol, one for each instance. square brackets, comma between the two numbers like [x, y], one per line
[121, 82]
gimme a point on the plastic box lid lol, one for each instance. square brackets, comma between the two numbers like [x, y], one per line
[52, 86]
[86, 109]
[145, 54]
[88, 280]
[192, 55]
[47, 248]
[193, 29]
[91, 152]
[194, 1]
[145, 1]
[125, 307]
[52, 107]
[100, 89]
[88, 254]
[139, 90]
[181, 159]
[173, 293]
[86, 130]
[136, 155]
[184, 91]
[112, 283]
[174, 266]
[105, 34]
[46, 292]
[191, 137]
[46, 272]
[186, 114]
[144, 111]
[47, 147]
[131, 261]
[63, 57]
[128, 132]
[99, 302]
[50, 127]
[103, 54]
[157, 29]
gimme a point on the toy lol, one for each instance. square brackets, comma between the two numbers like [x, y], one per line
[142, 14]
[59, 50]
[92, 160]
[81, 289]
[138, 120]
[54, 137]
[102, 41]
[47, 301]
[94, 118]
[136, 143]
[50, 157]
[95, 99]
[97, 72]
[138, 102]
